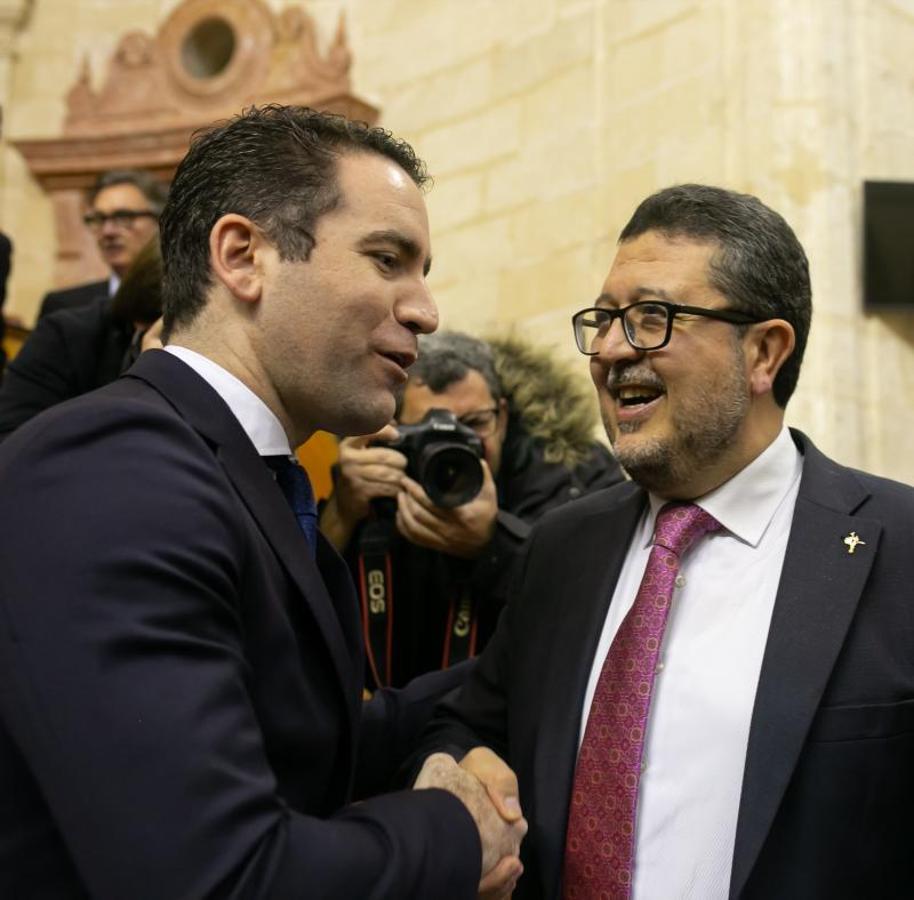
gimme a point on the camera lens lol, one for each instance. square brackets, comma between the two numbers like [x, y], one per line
[451, 474]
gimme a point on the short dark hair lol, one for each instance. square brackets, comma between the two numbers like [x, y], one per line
[760, 265]
[449, 356]
[155, 191]
[275, 165]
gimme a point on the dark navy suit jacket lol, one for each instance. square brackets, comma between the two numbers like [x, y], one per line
[180, 683]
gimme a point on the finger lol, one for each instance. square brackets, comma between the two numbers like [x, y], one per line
[417, 493]
[410, 527]
[355, 443]
[498, 779]
[387, 434]
[501, 879]
[382, 474]
[373, 456]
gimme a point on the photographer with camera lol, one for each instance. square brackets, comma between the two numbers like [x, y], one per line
[431, 514]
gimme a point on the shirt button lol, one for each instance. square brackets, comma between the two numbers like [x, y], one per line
[680, 581]
[659, 667]
[643, 767]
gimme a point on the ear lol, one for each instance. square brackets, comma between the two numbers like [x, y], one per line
[769, 343]
[236, 246]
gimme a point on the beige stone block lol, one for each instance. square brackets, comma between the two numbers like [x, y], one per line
[473, 142]
[648, 61]
[629, 20]
[451, 94]
[542, 229]
[481, 248]
[455, 200]
[470, 305]
[563, 281]
[435, 37]
[559, 105]
[671, 119]
[548, 165]
[525, 62]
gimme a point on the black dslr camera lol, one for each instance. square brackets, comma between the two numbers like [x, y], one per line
[443, 455]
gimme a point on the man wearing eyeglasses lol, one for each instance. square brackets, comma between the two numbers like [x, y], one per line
[705, 677]
[444, 571]
[122, 215]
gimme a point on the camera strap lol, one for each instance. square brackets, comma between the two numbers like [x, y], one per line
[376, 596]
[460, 638]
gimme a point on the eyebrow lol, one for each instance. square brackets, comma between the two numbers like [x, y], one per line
[638, 294]
[407, 246]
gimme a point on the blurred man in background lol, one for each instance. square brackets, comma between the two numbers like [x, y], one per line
[122, 215]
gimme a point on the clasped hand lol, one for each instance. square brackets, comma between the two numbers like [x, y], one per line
[488, 789]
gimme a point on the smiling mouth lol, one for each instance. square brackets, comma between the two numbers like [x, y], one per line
[632, 396]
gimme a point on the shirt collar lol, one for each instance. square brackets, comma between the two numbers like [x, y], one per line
[114, 282]
[254, 416]
[746, 504]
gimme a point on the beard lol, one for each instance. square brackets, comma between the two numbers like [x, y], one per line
[703, 429]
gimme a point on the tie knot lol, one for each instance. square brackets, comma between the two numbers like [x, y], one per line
[679, 525]
[293, 482]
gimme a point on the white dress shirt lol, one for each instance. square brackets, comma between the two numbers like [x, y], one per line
[698, 727]
[256, 418]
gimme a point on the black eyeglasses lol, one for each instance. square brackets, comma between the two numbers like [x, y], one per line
[120, 218]
[647, 325]
[482, 421]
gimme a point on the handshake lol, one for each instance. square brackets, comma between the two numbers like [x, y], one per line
[488, 788]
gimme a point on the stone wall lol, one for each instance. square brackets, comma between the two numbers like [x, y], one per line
[546, 121]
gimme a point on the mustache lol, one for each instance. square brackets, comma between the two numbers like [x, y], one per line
[619, 377]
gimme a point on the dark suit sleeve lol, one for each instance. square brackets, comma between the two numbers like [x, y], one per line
[392, 725]
[124, 683]
[43, 373]
[541, 488]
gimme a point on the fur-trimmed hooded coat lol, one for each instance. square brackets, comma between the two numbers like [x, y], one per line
[549, 458]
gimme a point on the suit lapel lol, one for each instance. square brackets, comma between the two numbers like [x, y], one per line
[264, 500]
[601, 544]
[203, 409]
[821, 583]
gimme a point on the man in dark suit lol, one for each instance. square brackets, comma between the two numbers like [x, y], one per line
[74, 351]
[180, 662]
[733, 718]
[123, 214]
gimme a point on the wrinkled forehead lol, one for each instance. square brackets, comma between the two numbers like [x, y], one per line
[655, 264]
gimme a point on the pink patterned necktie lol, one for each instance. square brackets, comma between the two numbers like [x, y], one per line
[600, 841]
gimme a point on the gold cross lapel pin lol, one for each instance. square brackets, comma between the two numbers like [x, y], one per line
[853, 541]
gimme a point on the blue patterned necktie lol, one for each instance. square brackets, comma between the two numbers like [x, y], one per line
[293, 482]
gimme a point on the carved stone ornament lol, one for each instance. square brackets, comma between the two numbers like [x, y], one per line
[209, 60]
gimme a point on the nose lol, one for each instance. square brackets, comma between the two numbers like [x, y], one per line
[615, 346]
[417, 310]
[108, 227]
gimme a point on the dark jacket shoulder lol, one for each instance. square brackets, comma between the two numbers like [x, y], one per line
[69, 353]
[73, 297]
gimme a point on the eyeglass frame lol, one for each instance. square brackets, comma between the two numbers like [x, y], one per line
[490, 429]
[122, 218]
[734, 317]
